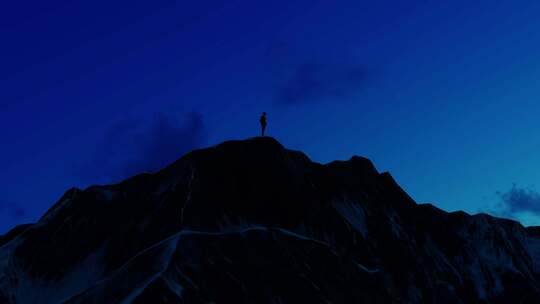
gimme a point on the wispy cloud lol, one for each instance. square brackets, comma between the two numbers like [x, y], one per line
[518, 203]
[518, 200]
[133, 146]
[300, 76]
[316, 81]
[12, 210]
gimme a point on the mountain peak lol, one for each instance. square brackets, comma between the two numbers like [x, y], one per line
[261, 141]
[253, 145]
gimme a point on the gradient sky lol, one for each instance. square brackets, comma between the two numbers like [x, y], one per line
[443, 94]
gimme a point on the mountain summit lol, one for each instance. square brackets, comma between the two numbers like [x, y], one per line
[252, 222]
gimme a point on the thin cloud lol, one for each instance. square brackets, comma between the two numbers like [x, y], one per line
[300, 76]
[519, 200]
[12, 210]
[133, 146]
[316, 81]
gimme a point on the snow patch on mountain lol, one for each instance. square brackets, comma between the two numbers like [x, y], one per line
[159, 256]
[354, 214]
[156, 258]
[16, 282]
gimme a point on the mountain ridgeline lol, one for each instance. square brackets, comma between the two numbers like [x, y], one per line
[252, 222]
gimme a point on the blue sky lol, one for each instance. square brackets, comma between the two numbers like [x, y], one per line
[443, 94]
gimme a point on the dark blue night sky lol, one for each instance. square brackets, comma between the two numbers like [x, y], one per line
[443, 94]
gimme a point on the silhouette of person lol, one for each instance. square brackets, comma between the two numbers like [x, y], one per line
[262, 120]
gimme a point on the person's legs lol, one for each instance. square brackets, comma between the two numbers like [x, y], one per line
[263, 128]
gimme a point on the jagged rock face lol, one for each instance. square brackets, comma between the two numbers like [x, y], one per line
[252, 222]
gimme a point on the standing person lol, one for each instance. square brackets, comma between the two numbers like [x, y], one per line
[262, 120]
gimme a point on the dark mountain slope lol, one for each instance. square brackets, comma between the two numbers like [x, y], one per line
[252, 222]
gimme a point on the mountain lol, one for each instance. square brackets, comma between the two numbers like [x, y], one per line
[252, 222]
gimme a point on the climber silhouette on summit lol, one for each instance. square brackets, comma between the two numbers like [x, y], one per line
[262, 120]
